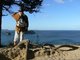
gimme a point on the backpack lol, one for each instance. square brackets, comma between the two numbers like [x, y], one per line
[21, 22]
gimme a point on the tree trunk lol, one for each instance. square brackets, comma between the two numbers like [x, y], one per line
[0, 20]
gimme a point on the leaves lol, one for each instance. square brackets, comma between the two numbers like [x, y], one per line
[25, 5]
[8, 2]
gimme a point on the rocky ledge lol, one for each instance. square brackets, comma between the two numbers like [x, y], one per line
[27, 51]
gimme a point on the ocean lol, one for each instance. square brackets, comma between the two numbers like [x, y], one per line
[45, 36]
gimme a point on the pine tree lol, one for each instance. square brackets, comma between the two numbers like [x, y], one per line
[25, 5]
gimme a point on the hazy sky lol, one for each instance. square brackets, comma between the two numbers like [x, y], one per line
[53, 15]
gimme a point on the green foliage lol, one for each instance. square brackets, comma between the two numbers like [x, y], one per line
[7, 2]
[25, 5]
[32, 5]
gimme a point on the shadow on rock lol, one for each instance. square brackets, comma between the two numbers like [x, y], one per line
[30, 54]
[71, 48]
[3, 57]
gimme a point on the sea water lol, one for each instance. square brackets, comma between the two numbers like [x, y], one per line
[45, 36]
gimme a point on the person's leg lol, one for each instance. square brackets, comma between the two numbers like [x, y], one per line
[16, 38]
[21, 36]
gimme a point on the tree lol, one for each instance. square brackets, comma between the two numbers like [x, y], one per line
[25, 5]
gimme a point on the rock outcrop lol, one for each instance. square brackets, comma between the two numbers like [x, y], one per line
[27, 51]
[18, 52]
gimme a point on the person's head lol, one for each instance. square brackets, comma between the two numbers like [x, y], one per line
[20, 12]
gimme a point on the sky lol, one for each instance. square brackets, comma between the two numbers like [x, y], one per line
[53, 15]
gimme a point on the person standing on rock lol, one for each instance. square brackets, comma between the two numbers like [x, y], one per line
[21, 26]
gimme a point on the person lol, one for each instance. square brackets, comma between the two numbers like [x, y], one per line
[21, 26]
